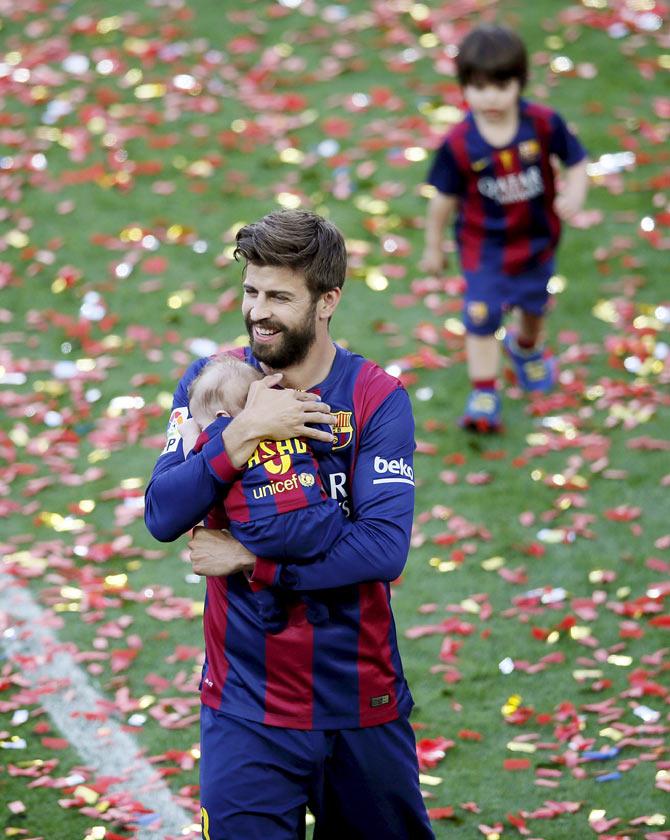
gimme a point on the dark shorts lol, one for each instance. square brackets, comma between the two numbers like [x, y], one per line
[488, 296]
[256, 781]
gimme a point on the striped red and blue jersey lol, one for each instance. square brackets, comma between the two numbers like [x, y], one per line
[278, 506]
[506, 223]
[346, 673]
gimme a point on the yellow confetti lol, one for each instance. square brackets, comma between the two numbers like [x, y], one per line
[17, 239]
[611, 733]
[619, 660]
[89, 795]
[291, 155]
[493, 564]
[432, 781]
[116, 581]
[376, 280]
[521, 746]
[511, 704]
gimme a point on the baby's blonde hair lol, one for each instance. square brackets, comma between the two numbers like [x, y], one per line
[221, 386]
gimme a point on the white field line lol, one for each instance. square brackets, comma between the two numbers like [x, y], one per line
[103, 746]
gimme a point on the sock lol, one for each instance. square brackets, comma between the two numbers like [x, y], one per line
[524, 343]
[484, 384]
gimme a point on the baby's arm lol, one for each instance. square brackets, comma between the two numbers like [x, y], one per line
[190, 432]
[571, 197]
[440, 212]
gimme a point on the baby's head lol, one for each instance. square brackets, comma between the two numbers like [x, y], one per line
[491, 55]
[220, 389]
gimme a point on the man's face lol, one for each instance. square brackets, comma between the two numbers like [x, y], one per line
[279, 314]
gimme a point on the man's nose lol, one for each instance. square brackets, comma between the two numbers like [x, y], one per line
[260, 310]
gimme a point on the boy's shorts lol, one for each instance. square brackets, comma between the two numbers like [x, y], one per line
[256, 781]
[488, 296]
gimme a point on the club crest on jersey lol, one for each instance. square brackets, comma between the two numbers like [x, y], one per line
[179, 415]
[275, 455]
[480, 164]
[529, 150]
[306, 479]
[343, 429]
[478, 311]
[506, 159]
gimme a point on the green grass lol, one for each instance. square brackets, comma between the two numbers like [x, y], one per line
[612, 109]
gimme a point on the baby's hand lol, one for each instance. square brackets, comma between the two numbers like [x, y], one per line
[190, 432]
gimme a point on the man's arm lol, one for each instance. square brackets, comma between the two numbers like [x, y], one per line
[375, 544]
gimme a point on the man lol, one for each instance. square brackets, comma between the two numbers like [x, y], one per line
[313, 715]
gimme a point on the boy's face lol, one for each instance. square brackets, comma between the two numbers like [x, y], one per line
[492, 101]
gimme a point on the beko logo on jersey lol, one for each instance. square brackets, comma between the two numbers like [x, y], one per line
[398, 471]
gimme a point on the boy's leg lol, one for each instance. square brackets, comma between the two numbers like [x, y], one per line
[255, 779]
[535, 369]
[482, 315]
[483, 357]
[529, 331]
[371, 786]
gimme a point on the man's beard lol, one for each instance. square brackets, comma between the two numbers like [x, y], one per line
[293, 346]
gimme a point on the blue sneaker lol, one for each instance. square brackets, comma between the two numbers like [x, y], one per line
[482, 412]
[534, 371]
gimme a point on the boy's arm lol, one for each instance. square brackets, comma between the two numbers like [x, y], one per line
[575, 184]
[441, 209]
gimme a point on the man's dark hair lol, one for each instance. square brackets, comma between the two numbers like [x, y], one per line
[299, 240]
[491, 53]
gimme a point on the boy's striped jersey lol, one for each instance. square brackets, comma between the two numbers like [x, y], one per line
[506, 221]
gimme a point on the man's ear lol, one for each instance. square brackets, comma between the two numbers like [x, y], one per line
[328, 303]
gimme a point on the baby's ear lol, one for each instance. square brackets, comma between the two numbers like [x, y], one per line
[222, 413]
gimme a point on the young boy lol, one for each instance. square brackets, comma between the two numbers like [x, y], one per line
[278, 509]
[494, 173]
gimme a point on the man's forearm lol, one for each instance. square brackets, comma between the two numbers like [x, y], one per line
[240, 440]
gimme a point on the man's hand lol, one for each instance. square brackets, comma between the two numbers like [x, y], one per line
[275, 414]
[218, 553]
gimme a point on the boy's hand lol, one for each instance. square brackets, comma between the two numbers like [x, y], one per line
[190, 432]
[567, 204]
[432, 261]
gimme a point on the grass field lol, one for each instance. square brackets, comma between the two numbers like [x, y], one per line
[533, 609]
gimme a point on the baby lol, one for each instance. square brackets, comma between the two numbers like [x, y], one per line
[278, 507]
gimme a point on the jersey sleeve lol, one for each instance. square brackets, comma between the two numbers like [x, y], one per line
[563, 143]
[373, 546]
[444, 173]
[181, 491]
[298, 536]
